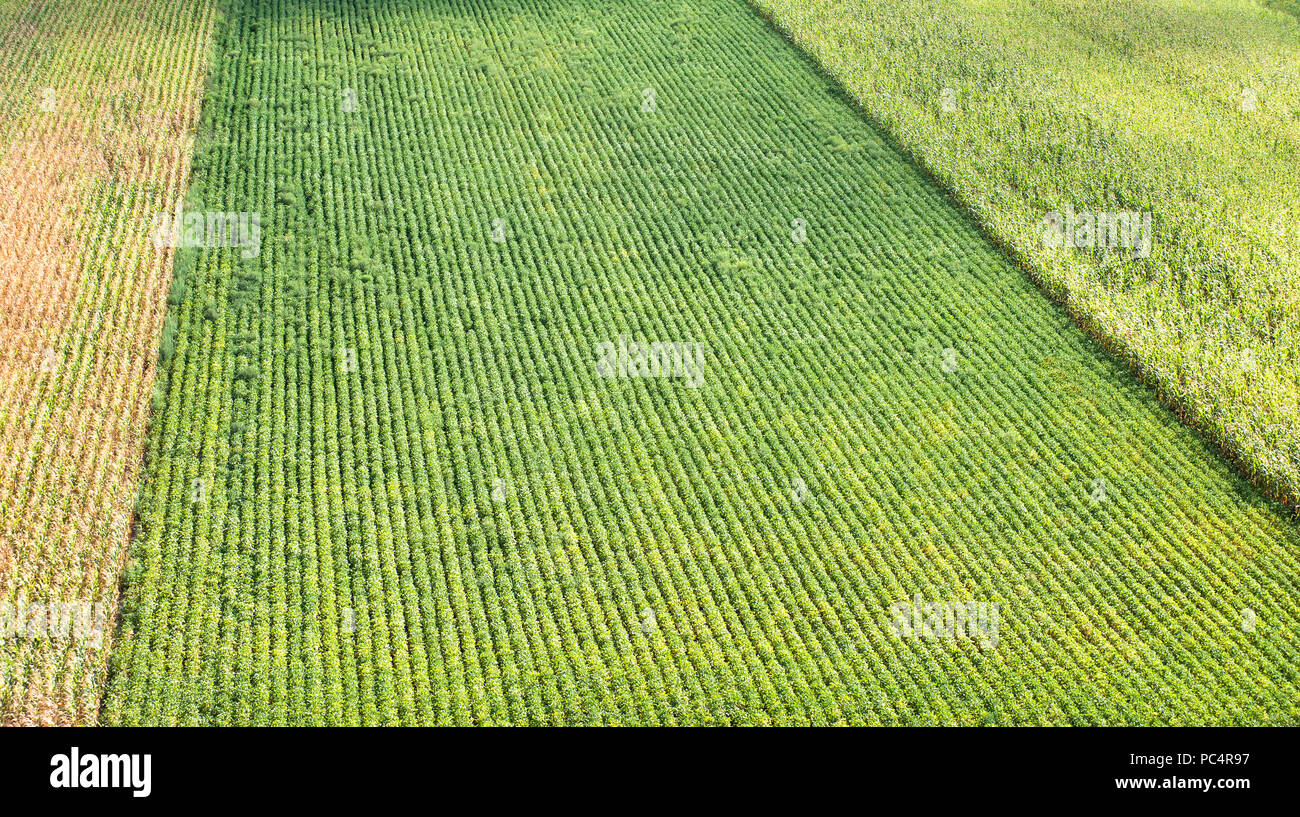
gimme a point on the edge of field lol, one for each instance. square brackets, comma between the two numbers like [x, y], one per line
[184, 261]
[108, 149]
[1275, 486]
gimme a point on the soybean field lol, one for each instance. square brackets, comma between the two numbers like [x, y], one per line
[602, 363]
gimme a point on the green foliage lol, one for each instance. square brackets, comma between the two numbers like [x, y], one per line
[1190, 112]
[391, 487]
[1291, 7]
